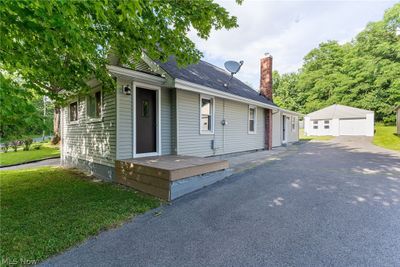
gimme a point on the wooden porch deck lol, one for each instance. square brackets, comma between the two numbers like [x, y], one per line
[155, 175]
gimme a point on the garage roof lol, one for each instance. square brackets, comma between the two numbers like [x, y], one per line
[338, 112]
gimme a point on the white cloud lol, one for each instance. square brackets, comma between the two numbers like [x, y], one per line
[286, 29]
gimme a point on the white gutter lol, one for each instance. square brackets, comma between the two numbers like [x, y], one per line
[135, 74]
[193, 87]
[291, 112]
[189, 86]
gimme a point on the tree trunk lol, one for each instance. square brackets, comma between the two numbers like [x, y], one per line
[56, 126]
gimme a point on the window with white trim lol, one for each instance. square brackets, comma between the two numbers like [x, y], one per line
[293, 124]
[315, 124]
[73, 111]
[94, 105]
[326, 124]
[206, 115]
[252, 119]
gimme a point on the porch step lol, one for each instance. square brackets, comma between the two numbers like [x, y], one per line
[158, 175]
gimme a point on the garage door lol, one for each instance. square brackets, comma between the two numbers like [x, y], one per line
[352, 126]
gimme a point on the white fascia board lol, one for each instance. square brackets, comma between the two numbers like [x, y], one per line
[137, 75]
[291, 112]
[188, 86]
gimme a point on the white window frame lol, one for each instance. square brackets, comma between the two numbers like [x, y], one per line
[293, 123]
[202, 132]
[91, 119]
[315, 123]
[255, 120]
[77, 112]
[327, 124]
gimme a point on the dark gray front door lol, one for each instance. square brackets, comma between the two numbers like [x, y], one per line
[146, 117]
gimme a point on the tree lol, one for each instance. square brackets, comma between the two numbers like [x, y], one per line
[57, 45]
[364, 73]
[20, 111]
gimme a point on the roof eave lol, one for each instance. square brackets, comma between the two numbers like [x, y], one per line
[193, 87]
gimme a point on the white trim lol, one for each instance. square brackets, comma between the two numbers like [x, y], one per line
[143, 77]
[255, 119]
[77, 112]
[158, 119]
[177, 120]
[117, 130]
[202, 132]
[188, 86]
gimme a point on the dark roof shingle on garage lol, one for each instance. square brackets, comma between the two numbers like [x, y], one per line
[206, 74]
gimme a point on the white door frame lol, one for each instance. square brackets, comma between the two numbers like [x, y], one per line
[158, 119]
[284, 134]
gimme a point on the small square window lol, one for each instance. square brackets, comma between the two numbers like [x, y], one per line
[315, 124]
[326, 124]
[73, 111]
[145, 108]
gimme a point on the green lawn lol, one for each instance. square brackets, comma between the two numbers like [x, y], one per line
[11, 157]
[385, 137]
[318, 138]
[47, 210]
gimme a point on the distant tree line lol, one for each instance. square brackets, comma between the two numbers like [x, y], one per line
[363, 73]
[23, 112]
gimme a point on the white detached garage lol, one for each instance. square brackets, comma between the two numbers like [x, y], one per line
[339, 120]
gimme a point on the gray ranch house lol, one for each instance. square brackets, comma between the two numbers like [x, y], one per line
[159, 109]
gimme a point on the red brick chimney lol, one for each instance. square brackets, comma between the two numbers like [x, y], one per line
[266, 76]
[266, 90]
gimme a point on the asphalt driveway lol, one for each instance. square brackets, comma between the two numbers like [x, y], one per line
[319, 204]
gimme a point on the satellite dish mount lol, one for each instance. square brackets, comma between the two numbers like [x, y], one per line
[233, 67]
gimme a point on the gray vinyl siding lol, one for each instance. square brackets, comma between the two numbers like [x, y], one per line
[190, 142]
[91, 141]
[237, 137]
[166, 121]
[233, 137]
[174, 118]
[277, 128]
[125, 123]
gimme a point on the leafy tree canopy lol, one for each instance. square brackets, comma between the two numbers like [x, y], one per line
[21, 111]
[364, 73]
[56, 45]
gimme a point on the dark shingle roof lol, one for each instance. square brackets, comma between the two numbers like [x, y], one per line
[206, 74]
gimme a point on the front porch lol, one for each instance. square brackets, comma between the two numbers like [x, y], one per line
[171, 176]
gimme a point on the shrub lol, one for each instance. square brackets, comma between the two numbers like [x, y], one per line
[37, 146]
[14, 145]
[27, 144]
[5, 147]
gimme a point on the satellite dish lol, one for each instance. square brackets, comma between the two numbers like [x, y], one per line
[233, 67]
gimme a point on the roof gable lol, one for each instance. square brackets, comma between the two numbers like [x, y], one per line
[339, 112]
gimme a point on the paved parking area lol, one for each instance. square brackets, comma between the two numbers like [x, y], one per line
[317, 204]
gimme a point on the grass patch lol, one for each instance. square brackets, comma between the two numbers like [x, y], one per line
[47, 210]
[11, 157]
[318, 138]
[385, 136]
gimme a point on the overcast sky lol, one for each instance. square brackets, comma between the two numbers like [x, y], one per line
[286, 29]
